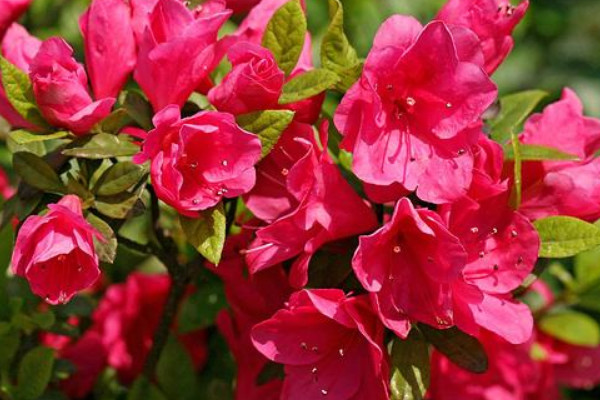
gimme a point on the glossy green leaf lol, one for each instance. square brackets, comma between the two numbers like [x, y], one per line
[19, 92]
[337, 55]
[115, 121]
[121, 205]
[119, 178]
[572, 327]
[142, 389]
[9, 344]
[308, 84]
[207, 233]
[563, 236]
[175, 370]
[268, 125]
[102, 145]
[37, 173]
[530, 152]
[23, 137]
[410, 367]
[35, 371]
[138, 108]
[285, 35]
[107, 249]
[462, 349]
[514, 109]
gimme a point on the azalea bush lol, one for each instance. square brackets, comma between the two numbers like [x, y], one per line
[220, 200]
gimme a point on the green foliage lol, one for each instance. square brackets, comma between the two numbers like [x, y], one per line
[285, 35]
[119, 178]
[531, 152]
[142, 389]
[35, 371]
[100, 146]
[410, 367]
[268, 125]
[24, 137]
[199, 310]
[207, 232]
[514, 109]
[37, 173]
[175, 371]
[106, 248]
[563, 236]
[19, 92]
[308, 84]
[460, 348]
[337, 55]
[572, 327]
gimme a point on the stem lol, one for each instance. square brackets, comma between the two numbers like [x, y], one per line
[180, 276]
[231, 215]
[379, 212]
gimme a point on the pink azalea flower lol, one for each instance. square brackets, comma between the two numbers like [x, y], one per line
[492, 20]
[316, 189]
[565, 187]
[502, 249]
[331, 347]
[18, 47]
[60, 88]
[10, 11]
[253, 84]
[55, 252]
[126, 319]
[414, 246]
[239, 6]
[512, 375]
[409, 119]
[575, 366]
[108, 36]
[252, 299]
[176, 52]
[196, 161]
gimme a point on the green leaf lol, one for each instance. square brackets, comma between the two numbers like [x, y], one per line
[175, 370]
[138, 108]
[142, 389]
[44, 320]
[572, 327]
[285, 34]
[531, 152]
[23, 137]
[268, 125]
[34, 373]
[199, 310]
[207, 233]
[102, 145]
[337, 55]
[269, 372]
[516, 193]
[9, 344]
[114, 122]
[107, 249]
[19, 92]
[119, 178]
[462, 349]
[411, 373]
[37, 173]
[587, 267]
[121, 205]
[514, 109]
[308, 84]
[566, 236]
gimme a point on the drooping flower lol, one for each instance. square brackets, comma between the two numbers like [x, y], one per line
[331, 347]
[252, 299]
[410, 118]
[176, 52]
[563, 187]
[109, 43]
[10, 11]
[492, 20]
[254, 83]
[60, 88]
[196, 161]
[18, 47]
[55, 252]
[315, 190]
[127, 318]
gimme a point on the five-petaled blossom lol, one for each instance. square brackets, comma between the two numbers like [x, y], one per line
[408, 120]
[331, 346]
[196, 161]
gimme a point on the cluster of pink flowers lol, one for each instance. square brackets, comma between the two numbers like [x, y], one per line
[436, 239]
